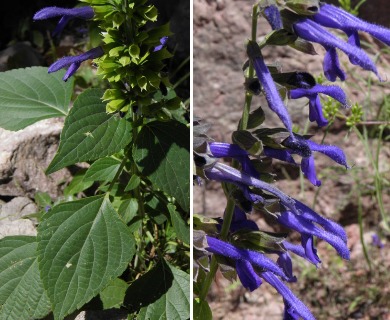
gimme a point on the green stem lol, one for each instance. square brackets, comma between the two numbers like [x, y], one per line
[117, 175]
[229, 211]
[251, 73]
[360, 221]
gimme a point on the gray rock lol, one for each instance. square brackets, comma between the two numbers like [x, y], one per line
[24, 156]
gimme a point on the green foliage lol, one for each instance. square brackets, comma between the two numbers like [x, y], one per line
[89, 132]
[161, 152]
[125, 213]
[29, 95]
[162, 294]
[22, 295]
[82, 246]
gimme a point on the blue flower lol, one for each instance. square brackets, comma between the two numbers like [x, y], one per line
[272, 95]
[311, 31]
[304, 148]
[315, 107]
[334, 17]
[237, 254]
[331, 65]
[293, 306]
[308, 229]
[227, 150]
[272, 14]
[65, 14]
[74, 62]
[376, 241]
[223, 173]
[163, 42]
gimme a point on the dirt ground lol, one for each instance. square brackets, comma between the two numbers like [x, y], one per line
[340, 289]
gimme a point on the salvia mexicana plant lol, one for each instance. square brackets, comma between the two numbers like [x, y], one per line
[119, 235]
[232, 242]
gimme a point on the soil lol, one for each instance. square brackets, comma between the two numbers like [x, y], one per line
[340, 289]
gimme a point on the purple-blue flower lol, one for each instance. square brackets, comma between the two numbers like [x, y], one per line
[74, 62]
[293, 305]
[272, 95]
[273, 17]
[255, 258]
[311, 31]
[227, 150]
[334, 17]
[163, 42]
[376, 241]
[223, 173]
[65, 14]
[304, 148]
[308, 229]
[315, 107]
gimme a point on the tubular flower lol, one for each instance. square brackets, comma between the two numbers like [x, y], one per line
[311, 31]
[293, 306]
[74, 62]
[308, 229]
[333, 17]
[163, 42]
[65, 14]
[304, 148]
[272, 95]
[315, 107]
[227, 150]
[223, 173]
[237, 254]
[273, 17]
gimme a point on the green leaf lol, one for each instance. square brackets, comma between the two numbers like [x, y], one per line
[77, 184]
[162, 293]
[128, 209]
[31, 94]
[112, 296]
[89, 132]
[82, 246]
[181, 227]
[133, 183]
[103, 169]
[22, 295]
[161, 153]
[202, 310]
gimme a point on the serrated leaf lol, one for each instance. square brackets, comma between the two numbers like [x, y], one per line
[82, 246]
[163, 293]
[112, 295]
[22, 295]
[161, 153]
[89, 132]
[202, 310]
[182, 229]
[103, 169]
[31, 94]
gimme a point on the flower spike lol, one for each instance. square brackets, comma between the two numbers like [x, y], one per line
[74, 62]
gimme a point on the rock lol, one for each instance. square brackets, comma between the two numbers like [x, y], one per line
[17, 208]
[24, 156]
[17, 227]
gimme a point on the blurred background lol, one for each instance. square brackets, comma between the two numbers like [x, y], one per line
[339, 290]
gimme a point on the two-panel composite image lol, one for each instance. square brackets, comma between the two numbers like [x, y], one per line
[194, 159]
